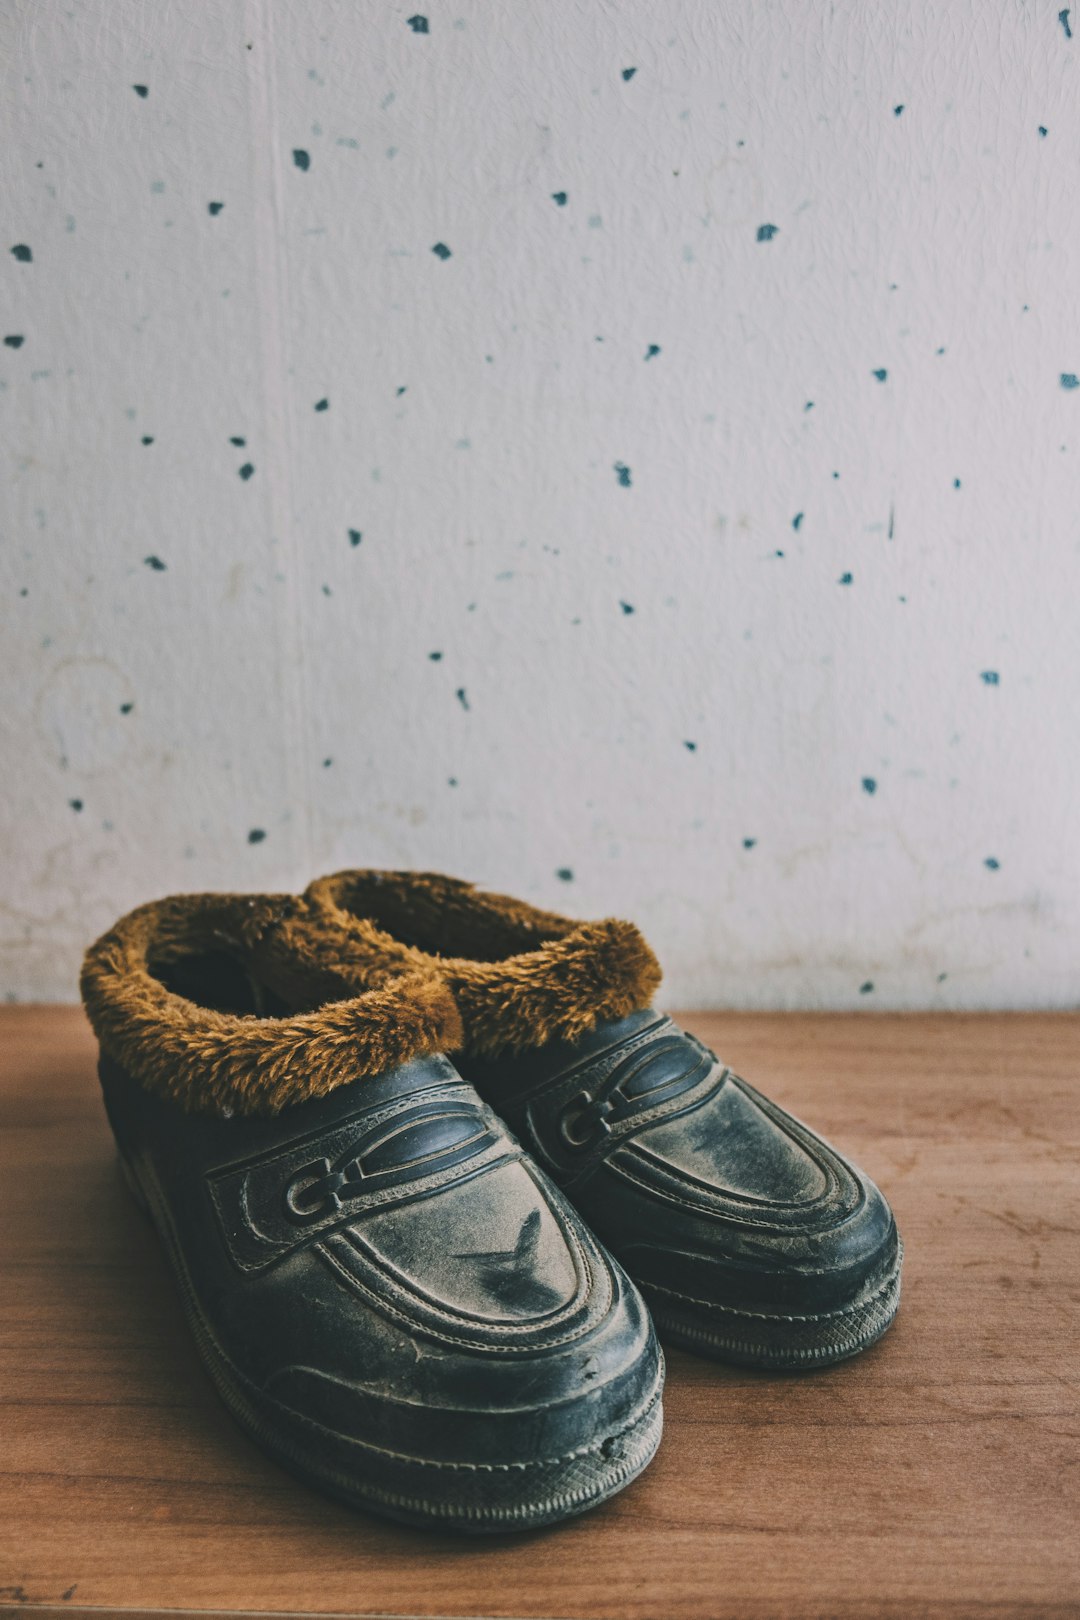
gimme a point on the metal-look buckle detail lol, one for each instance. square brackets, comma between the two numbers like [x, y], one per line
[421, 1142]
[584, 1121]
[649, 1076]
[317, 1189]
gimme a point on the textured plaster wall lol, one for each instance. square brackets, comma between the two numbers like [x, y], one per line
[625, 453]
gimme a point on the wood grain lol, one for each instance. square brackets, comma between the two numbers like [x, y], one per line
[936, 1475]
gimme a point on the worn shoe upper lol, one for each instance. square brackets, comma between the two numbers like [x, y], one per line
[391, 1297]
[752, 1238]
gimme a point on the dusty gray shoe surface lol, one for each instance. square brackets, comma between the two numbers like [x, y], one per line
[752, 1239]
[396, 1303]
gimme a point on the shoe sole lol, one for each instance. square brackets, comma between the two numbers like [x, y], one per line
[778, 1343]
[471, 1498]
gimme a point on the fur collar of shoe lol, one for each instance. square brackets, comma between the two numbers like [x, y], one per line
[213, 1058]
[521, 976]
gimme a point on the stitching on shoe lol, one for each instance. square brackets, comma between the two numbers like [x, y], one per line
[500, 1330]
[776, 1316]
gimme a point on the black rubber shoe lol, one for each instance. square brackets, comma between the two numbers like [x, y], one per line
[391, 1298]
[752, 1240]
[395, 1304]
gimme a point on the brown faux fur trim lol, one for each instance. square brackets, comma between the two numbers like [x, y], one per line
[223, 1062]
[521, 976]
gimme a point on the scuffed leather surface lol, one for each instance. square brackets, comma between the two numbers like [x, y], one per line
[387, 1265]
[698, 1183]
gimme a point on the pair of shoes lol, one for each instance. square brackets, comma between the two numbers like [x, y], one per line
[418, 1285]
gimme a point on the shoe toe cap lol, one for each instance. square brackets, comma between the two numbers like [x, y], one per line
[483, 1329]
[755, 1210]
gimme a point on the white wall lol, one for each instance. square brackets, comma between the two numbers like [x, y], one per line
[281, 679]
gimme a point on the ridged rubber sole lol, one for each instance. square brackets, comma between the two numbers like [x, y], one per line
[471, 1498]
[778, 1343]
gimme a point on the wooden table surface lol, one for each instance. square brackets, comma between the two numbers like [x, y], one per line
[935, 1475]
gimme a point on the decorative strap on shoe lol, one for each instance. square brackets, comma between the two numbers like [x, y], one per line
[521, 976]
[238, 1063]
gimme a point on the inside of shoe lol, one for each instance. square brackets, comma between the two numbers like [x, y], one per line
[445, 918]
[216, 979]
